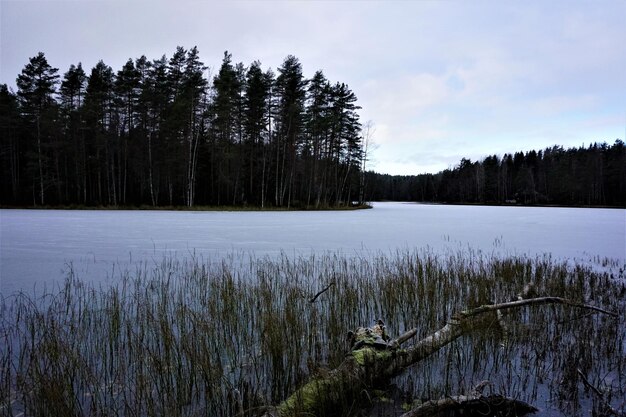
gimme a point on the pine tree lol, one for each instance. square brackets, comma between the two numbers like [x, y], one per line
[36, 89]
[225, 106]
[291, 94]
[10, 152]
[101, 129]
[127, 91]
[256, 109]
[71, 94]
[72, 87]
[157, 94]
[141, 167]
[345, 143]
[154, 132]
[194, 94]
[317, 133]
[172, 131]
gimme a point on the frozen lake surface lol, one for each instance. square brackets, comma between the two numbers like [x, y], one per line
[37, 245]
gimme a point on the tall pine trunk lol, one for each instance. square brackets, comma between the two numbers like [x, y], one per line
[40, 162]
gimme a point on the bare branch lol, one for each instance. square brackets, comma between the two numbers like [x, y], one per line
[605, 404]
[464, 322]
[369, 366]
[312, 300]
[531, 301]
[404, 337]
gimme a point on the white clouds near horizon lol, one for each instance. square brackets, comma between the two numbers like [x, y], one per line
[441, 80]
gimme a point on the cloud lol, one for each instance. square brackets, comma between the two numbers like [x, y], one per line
[440, 80]
[555, 105]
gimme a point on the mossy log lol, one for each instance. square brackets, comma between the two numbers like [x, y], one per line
[370, 367]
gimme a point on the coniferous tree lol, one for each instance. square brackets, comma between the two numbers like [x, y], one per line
[73, 87]
[317, 135]
[291, 93]
[36, 89]
[157, 95]
[101, 129]
[127, 91]
[141, 152]
[268, 150]
[173, 129]
[194, 96]
[593, 175]
[256, 110]
[224, 107]
[71, 96]
[11, 155]
[347, 140]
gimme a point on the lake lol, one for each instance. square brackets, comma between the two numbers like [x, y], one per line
[38, 245]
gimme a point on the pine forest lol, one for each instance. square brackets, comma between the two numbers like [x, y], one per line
[168, 133]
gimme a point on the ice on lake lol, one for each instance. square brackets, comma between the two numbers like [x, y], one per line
[37, 245]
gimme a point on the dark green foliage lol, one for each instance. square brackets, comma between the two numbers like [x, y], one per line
[10, 149]
[36, 87]
[584, 176]
[164, 132]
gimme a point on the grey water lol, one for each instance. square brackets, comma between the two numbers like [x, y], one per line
[39, 246]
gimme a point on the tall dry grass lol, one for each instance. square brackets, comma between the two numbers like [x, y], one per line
[189, 338]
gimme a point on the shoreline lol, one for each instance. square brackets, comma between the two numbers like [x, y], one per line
[184, 208]
[525, 205]
[256, 208]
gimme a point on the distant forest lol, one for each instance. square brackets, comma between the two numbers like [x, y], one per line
[584, 176]
[165, 132]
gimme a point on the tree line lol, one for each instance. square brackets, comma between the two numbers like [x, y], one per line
[594, 175]
[165, 132]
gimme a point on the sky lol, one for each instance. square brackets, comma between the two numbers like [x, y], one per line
[439, 80]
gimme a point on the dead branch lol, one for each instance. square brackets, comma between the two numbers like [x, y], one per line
[370, 366]
[600, 395]
[485, 405]
[312, 300]
[506, 306]
[532, 301]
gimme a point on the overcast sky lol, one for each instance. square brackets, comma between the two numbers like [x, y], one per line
[440, 80]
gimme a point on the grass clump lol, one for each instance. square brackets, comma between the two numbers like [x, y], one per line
[189, 338]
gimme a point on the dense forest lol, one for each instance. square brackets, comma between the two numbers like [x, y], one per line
[165, 132]
[584, 176]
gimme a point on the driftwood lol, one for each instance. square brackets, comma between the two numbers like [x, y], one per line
[368, 366]
[469, 405]
[474, 404]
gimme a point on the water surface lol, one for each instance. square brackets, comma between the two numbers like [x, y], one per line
[38, 245]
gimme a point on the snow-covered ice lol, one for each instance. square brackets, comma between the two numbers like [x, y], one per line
[36, 245]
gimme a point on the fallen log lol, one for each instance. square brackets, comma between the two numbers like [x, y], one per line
[369, 367]
[472, 405]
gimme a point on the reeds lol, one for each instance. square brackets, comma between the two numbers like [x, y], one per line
[187, 337]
